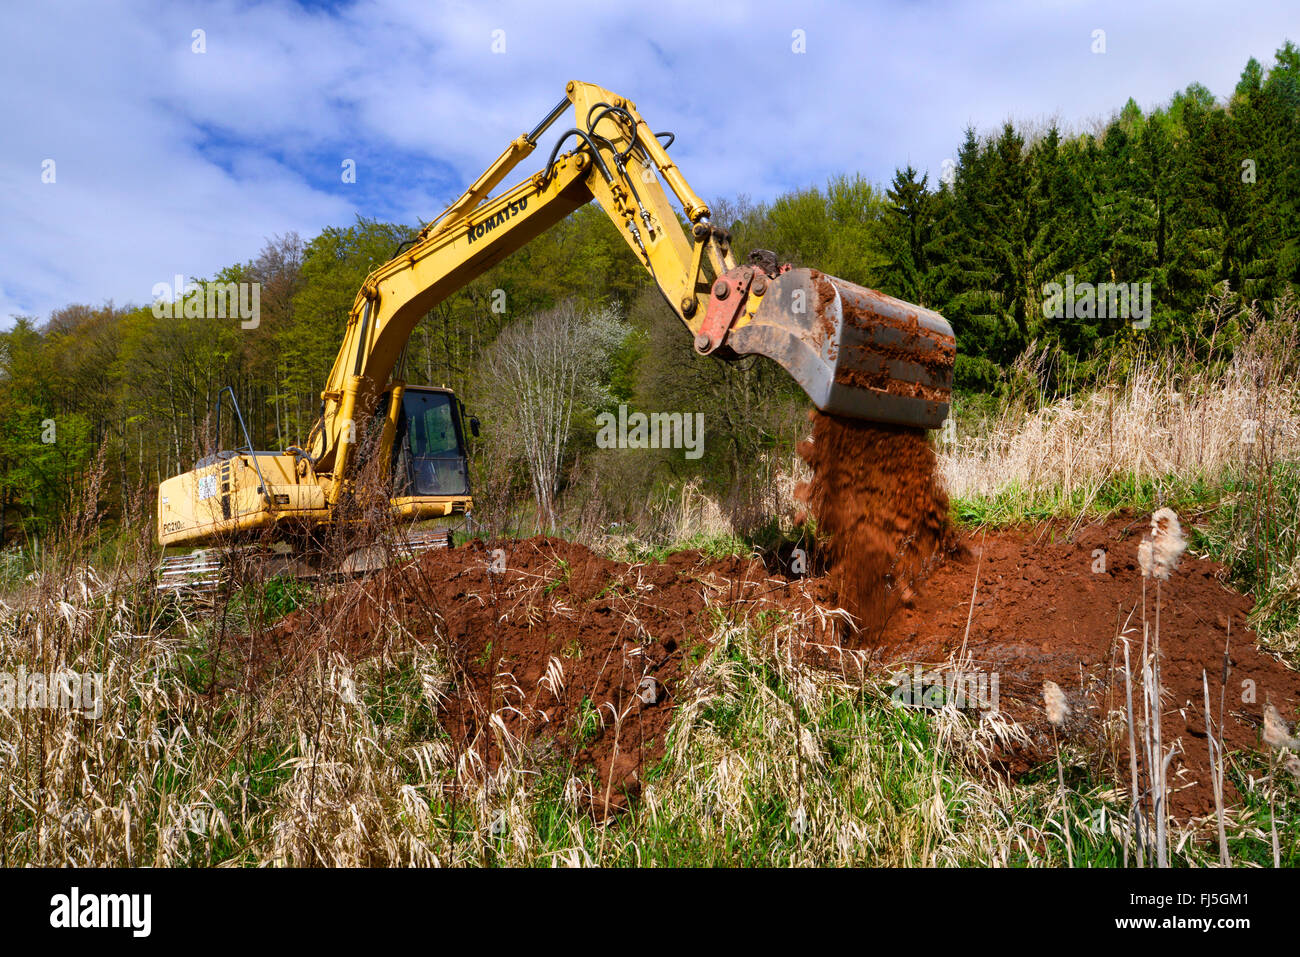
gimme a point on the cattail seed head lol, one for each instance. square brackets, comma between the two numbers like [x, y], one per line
[1144, 557]
[1054, 700]
[1276, 733]
[1167, 543]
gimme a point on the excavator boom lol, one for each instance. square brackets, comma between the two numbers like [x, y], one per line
[854, 351]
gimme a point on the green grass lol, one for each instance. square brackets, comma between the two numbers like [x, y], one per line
[1257, 781]
[565, 574]
[260, 603]
[1013, 505]
[712, 547]
[588, 724]
[1254, 533]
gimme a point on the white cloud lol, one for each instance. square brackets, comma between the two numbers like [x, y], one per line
[171, 161]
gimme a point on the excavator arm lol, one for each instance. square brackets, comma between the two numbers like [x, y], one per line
[855, 351]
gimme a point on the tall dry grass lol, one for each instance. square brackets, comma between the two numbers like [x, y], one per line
[328, 760]
[1163, 416]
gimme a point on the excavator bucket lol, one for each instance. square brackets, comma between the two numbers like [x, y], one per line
[856, 352]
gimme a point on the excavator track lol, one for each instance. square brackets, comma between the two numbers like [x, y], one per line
[199, 575]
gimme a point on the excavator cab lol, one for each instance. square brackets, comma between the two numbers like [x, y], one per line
[430, 461]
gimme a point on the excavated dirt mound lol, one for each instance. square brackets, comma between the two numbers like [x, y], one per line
[882, 518]
[579, 660]
[1047, 608]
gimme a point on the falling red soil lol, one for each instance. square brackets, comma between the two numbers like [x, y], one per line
[1045, 608]
[882, 518]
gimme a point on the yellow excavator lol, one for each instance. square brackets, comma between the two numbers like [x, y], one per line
[854, 351]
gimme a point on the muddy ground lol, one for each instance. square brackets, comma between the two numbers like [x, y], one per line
[583, 659]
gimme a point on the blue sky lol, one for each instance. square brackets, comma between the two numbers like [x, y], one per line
[170, 161]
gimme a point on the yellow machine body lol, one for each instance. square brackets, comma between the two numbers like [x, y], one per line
[247, 491]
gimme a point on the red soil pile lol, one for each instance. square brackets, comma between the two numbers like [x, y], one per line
[579, 658]
[882, 517]
[1049, 607]
[1046, 608]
